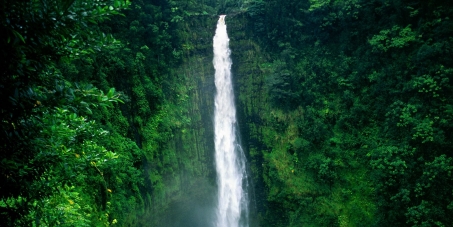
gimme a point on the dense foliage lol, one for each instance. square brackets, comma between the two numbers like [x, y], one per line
[74, 150]
[54, 160]
[345, 110]
[353, 123]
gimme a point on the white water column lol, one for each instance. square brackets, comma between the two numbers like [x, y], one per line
[232, 207]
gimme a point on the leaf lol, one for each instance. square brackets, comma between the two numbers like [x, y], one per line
[111, 93]
[18, 36]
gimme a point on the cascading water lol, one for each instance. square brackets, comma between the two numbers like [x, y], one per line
[232, 207]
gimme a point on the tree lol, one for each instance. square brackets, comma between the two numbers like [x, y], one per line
[43, 128]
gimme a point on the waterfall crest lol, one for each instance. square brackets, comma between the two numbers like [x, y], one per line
[232, 207]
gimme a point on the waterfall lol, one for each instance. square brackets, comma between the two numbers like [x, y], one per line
[232, 207]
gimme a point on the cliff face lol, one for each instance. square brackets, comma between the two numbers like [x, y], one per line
[188, 194]
[297, 175]
[336, 115]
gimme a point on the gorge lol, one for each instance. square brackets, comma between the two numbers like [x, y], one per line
[111, 114]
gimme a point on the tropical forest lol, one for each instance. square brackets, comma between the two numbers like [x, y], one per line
[226, 113]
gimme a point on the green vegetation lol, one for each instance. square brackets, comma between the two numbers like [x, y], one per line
[75, 150]
[349, 119]
[345, 110]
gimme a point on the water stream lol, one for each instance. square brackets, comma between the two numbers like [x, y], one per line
[232, 201]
